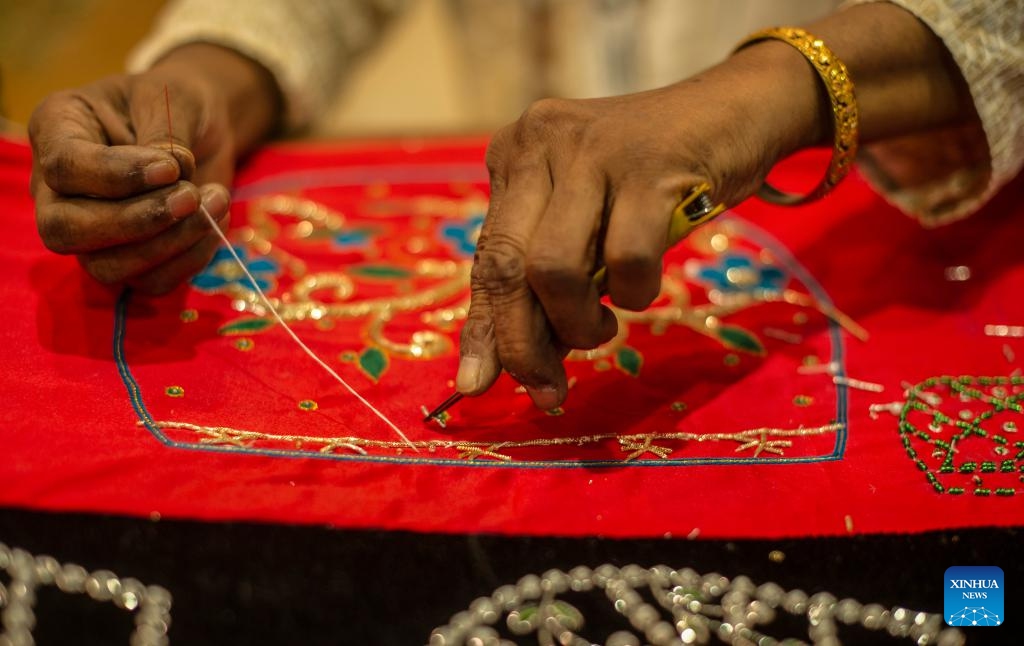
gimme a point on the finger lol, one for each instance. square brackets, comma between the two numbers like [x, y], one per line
[168, 120]
[524, 340]
[167, 276]
[81, 225]
[636, 240]
[479, 365]
[71, 155]
[120, 264]
[562, 256]
[218, 168]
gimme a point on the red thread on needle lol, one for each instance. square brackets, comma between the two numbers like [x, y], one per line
[170, 132]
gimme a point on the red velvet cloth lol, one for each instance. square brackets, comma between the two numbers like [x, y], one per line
[188, 407]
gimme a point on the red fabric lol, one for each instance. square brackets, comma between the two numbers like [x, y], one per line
[89, 376]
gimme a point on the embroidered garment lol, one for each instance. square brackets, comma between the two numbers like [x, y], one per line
[744, 403]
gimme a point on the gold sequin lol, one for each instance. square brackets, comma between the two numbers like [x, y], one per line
[678, 406]
[731, 359]
[803, 400]
[416, 244]
[174, 391]
[308, 405]
[244, 344]
[188, 316]
[719, 242]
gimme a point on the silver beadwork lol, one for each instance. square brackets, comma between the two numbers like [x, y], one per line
[151, 606]
[688, 609]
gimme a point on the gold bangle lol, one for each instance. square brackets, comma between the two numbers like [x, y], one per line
[844, 110]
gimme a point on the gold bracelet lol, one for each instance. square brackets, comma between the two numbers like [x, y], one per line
[844, 110]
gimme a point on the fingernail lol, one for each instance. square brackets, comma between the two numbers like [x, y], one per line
[468, 378]
[215, 199]
[182, 202]
[160, 173]
[545, 397]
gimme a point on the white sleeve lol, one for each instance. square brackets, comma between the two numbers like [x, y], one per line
[947, 174]
[307, 45]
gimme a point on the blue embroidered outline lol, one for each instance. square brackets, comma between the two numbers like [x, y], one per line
[758, 235]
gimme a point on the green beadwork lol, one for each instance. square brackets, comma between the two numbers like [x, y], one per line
[967, 389]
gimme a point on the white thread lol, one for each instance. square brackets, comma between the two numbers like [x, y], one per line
[295, 337]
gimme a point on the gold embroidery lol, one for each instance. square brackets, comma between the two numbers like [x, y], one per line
[327, 296]
[770, 440]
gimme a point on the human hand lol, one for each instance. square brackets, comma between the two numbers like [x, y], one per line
[580, 184]
[111, 189]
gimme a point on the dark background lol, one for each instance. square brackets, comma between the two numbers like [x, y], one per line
[246, 583]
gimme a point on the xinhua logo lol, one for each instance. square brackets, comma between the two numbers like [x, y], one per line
[974, 595]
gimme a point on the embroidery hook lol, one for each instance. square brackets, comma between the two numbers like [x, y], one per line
[443, 406]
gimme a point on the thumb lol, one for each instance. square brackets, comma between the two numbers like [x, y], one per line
[167, 117]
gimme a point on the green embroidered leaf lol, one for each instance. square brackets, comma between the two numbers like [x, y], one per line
[248, 325]
[737, 338]
[629, 361]
[373, 362]
[383, 272]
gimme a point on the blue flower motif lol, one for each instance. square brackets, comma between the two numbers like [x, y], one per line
[463, 234]
[737, 273]
[223, 272]
[353, 238]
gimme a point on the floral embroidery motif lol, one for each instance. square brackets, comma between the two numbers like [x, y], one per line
[426, 283]
[463, 234]
[223, 272]
[401, 302]
[358, 238]
[738, 273]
